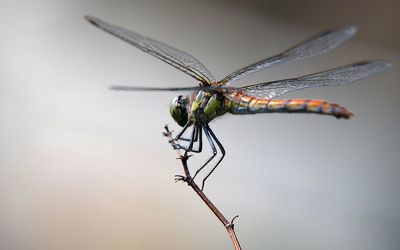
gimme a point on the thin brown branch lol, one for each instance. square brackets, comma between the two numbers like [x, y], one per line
[229, 226]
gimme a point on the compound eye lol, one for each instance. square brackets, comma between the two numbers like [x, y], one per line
[179, 101]
[178, 110]
[176, 101]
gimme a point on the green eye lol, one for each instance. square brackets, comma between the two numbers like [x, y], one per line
[175, 113]
[178, 112]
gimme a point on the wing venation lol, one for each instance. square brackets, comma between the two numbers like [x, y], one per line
[333, 77]
[313, 46]
[175, 57]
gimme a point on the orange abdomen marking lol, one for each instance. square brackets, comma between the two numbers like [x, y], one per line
[241, 103]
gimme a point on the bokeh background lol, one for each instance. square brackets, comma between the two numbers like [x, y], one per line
[83, 167]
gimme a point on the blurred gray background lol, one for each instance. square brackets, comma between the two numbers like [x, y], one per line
[82, 167]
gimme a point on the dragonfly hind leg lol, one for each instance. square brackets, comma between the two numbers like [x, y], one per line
[211, 138]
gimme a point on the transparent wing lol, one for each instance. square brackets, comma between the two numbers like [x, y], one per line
[211, 88]
[177, 58]
[333, 77]
[315, 45]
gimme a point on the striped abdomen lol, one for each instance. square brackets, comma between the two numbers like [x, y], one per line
[241, 103]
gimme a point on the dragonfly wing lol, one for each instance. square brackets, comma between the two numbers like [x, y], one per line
[333, 77]
[175, 57]
[315, 45]
[211, 88]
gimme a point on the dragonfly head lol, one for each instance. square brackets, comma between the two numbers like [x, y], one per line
[179, 109]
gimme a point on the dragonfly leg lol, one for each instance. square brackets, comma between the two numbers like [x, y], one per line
[196, 136]
[220, 159]
[214, 149]
[199, 138]
[191, 142]
[179, 136]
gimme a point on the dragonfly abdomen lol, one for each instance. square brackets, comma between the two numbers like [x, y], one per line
[241, 103]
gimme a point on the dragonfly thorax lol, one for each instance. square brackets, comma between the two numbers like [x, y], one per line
[206, 106]
[179, 109]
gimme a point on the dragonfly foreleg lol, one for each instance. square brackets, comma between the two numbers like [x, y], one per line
[190, 140]
[178, 136]
[220, 159]
[196, 136]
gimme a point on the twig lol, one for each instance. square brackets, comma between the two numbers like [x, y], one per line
[229, 226]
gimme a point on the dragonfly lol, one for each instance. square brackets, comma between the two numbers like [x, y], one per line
[211, 99]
